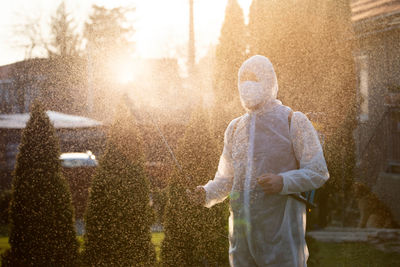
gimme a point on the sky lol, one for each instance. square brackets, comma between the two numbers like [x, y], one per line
[161, 25]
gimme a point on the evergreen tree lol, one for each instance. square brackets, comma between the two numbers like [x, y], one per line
[119, 216]
[177, 248]
[310, 44]
[280, 31]
[42, 230]
[195, 235]
[65, 41]
[230, 54]
[109, 44]
[108, 33]
[337, 66]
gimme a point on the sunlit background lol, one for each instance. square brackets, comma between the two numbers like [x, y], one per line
[160, 30]
[161, 26]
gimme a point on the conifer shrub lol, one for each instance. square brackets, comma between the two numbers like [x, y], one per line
[5, 199]
[195, 235]
[301, 40]
[229, 55]
[42, 229]
[177, 248]
[118, 216]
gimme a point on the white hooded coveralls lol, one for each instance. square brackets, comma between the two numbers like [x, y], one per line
[266, 229]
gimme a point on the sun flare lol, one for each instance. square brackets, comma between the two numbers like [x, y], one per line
[125, 76]
[123, 71]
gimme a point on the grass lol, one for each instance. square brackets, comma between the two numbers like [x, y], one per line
[156, 239]
[3, 244]
[321, 254]
[350, 254]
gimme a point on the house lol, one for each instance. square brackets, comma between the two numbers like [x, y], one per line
[377, 28]
[60, 83]
[18, 75]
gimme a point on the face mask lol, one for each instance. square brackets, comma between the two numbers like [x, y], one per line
[252, 94]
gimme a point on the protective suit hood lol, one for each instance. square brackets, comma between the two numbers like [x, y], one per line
[257, 83]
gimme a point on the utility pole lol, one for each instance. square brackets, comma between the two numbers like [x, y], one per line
[191, 48]
[89, 98]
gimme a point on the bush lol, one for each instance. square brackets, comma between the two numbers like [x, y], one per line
[5, 199]
[195, 235]
[118, 216]
[160, 198]
[42, 229]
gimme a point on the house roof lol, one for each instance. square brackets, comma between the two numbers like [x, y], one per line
[365, 9]
[59, 120]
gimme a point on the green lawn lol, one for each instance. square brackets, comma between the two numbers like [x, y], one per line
[156, 239]
[321, 254]
[350, 254]
[3, 244]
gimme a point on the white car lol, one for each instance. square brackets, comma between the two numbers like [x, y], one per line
[78, 169]
[78, 159]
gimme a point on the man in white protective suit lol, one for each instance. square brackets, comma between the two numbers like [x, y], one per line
[263, 161]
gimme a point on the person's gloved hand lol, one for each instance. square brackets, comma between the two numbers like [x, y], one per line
[197, 196]
[271, 183]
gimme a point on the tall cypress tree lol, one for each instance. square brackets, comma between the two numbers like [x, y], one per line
[42, 230]
[310, 43]
[336, 66]
[195, 235]
[119, 216]
[230, 54]
[280, 31]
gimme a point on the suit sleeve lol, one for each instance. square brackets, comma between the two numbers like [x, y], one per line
[219, 188]
[312, 172]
